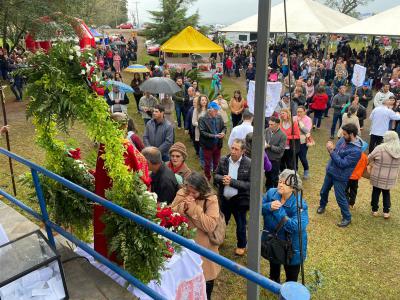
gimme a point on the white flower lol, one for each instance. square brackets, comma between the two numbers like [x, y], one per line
[70, 57]
[77, 48]
[83, 72]
[78, 53]
[71, 51]
[179, 228]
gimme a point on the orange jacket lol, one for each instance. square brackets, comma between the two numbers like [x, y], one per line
[360, 167]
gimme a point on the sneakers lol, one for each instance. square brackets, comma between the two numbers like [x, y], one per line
[344, 223]
[320, 210]
[332, 137]
[386, 216]
[306, 174]
[375, 214]
[240, 251]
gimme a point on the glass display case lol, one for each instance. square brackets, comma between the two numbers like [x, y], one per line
[31, 269]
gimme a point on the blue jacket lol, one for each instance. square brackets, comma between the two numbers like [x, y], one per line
[289, 209]
[344, 159]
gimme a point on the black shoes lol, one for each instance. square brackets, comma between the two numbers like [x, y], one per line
[320, 210]
[344, 223]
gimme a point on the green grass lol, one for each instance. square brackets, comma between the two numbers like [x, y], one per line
[358, 262]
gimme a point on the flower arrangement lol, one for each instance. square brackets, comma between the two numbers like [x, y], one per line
[60, 85]
[176, 223]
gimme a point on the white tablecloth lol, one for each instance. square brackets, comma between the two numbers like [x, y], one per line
[182, 278]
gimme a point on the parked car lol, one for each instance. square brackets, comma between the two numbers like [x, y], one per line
[153, 50]
[125, 26]
[149, 43]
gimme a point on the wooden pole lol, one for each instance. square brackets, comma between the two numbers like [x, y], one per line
[3, 105]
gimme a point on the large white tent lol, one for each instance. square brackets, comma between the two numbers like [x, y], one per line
[384, 23]
[303, 16]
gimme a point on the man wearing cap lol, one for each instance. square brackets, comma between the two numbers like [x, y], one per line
[159, 132]
[364, 94]
[212, 132]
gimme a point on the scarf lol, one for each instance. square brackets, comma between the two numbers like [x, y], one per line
[391, 144]
[177, 169]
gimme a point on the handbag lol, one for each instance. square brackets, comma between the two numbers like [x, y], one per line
[217, 237]
[276, 250]
[310, 141]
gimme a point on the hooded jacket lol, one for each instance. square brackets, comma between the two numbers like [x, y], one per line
[344, 159]
[385, 163]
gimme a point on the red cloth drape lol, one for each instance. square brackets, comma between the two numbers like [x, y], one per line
[135, 162]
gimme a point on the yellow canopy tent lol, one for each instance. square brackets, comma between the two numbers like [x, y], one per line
[189, 40]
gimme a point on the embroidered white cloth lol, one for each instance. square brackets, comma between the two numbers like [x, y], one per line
[182, 278]
[273, 95]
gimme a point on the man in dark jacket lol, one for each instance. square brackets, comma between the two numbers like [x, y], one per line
[344, 158]
[212, 132]
[179, 99]
[163, 180]
[159, 132]
[250, 75]
[233, 179]
[365, 94]
[275, 140]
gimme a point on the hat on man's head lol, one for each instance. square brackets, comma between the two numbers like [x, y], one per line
[366, 84]
[286, 95]
[213, 105]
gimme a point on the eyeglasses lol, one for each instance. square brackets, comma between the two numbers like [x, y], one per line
[176, 156]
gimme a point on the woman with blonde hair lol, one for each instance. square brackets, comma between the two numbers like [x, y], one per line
[199, 111]
[292, 132]
[384, 162]
[349, 117]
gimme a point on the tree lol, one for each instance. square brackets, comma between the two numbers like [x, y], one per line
[170, 20]
[347, 7]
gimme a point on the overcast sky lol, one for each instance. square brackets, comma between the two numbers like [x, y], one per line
[230, 11]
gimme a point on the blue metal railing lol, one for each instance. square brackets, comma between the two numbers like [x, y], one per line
[286, 291]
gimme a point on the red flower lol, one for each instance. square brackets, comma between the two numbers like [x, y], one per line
[75, 153]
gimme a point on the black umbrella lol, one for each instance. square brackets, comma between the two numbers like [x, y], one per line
[157, 85]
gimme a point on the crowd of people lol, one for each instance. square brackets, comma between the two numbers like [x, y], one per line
[312, 85]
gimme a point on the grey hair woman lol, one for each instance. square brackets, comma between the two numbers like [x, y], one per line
[280, 205]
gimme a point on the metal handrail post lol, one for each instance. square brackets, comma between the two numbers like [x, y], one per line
[43, 208]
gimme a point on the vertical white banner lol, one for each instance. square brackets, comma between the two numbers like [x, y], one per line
[359, 73]
[273, 96]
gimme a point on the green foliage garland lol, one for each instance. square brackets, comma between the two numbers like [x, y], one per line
[57, 84]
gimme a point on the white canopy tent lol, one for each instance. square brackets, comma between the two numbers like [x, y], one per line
[303, 16]
[384, 23]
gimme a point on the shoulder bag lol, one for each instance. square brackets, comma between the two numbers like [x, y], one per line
[217, 237]
[276, 250]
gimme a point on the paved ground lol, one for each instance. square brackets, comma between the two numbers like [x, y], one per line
[84, 282]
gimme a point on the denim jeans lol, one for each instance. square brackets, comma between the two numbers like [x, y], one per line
[318, 117]
[336, 118]
[302, 155]
[240, 218]
[340, 194]
[179, 109]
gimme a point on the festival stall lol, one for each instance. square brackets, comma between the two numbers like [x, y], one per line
[189, 40]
